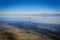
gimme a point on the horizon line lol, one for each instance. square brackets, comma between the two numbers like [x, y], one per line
[57, 15]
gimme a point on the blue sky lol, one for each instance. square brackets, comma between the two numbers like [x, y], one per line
[31, 7]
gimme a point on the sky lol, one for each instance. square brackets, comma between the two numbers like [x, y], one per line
[31, 7]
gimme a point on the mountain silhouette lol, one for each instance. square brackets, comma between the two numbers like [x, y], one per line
[8, 32]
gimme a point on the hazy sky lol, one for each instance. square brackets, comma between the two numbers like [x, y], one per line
[32, 7]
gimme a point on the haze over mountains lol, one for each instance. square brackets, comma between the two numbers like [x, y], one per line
[47, 25]
[37, 19]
